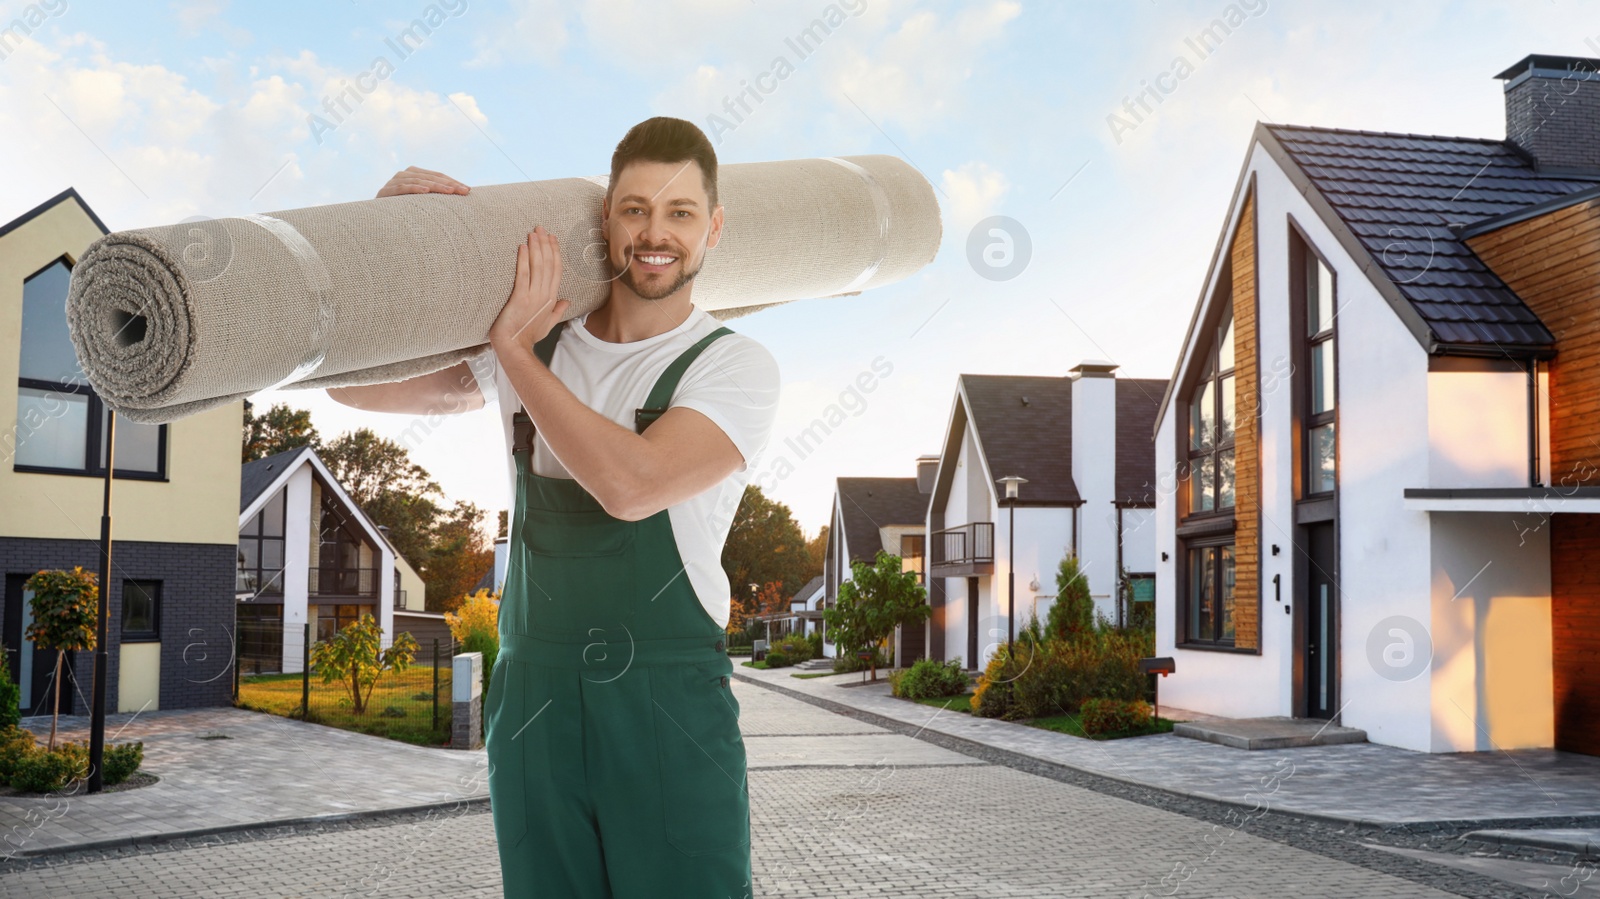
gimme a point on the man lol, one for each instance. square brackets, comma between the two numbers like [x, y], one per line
[616, 764]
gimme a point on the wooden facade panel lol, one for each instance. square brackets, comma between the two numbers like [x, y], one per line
[1247, 435]
[1575, 626]
[1553, 263]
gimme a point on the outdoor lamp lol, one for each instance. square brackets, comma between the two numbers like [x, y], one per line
[1012, 482]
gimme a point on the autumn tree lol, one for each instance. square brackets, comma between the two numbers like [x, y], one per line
[817, 552]
[277, 430]
[765, 545]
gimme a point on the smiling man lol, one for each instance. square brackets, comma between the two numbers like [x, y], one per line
[616, 764]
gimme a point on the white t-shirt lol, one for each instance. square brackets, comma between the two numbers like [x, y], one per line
[734, 382]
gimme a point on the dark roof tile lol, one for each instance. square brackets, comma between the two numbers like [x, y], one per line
[868, 504]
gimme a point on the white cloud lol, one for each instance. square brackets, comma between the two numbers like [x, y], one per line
[536, 29]
[972, 192]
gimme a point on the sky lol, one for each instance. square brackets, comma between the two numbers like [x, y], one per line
[1024, 110]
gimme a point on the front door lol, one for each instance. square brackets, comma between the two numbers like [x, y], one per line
[972, 623]
[1322, 620]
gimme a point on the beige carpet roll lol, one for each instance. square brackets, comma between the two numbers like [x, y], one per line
[173, 320]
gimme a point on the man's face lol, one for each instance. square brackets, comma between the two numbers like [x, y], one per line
[658, 226]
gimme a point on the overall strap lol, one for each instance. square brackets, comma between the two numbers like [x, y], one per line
[521, 424]
[661, 394]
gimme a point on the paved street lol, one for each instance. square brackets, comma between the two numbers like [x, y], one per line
[844, 805]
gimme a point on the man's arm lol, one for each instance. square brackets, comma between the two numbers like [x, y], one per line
[444, 392]
[634, 476]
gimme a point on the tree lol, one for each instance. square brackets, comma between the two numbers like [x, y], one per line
[1072, 614]
[459, 557]
[352, 656]
[817, 552]
[64, 607]
[278, 430]
[765, 544]
[876, 600]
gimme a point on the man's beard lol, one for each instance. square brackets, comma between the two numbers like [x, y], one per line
[632, 283]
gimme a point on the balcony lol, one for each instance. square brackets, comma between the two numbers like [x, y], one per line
[343, 582]
[962, 551]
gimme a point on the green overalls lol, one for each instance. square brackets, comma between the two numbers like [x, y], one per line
[616, 767]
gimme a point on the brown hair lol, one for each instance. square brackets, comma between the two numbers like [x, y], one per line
[665, 139]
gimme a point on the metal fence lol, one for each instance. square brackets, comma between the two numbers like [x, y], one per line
[412, 705]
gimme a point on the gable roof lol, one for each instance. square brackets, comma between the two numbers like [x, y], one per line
[1138, 402]
[255, 477]
[68, 194]
[1024, 424]
[1406, 198]
[867, 504]
[805, 592]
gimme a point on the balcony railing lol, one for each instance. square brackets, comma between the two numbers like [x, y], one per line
[343, 581]
[258, 582]
[963, 550]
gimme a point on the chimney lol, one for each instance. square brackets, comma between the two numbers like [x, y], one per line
[927, 469]
[1553, 112]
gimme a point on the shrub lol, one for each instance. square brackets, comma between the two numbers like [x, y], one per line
[121, 761]
[42, 772]
[847, 661]
[10, 697]
[15, 744]
[476, 626]
[796, 647]
[1072, 614]
[927, 678]
[815, 639]
[994, 696]
[1110, 716]
[778, 659]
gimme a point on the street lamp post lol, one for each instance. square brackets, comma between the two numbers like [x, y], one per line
[1012, 482]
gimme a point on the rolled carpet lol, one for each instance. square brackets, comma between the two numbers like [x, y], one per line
[173, 320]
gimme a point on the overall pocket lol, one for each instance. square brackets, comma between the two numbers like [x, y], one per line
[502, 711]
[577, 535]
[704, 793]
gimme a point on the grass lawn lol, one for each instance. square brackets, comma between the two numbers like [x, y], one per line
[813, 674]
[1070, 724]
[962, 703]
[410, 691]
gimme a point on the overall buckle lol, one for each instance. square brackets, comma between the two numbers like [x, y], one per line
[521, 432]
[644, 417]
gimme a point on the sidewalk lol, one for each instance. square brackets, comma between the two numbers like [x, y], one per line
[1361, 783]
[267, 771]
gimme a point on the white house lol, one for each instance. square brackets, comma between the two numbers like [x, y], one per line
[1082, 444]
[307, 552]
[869, 515]
[1377, 455]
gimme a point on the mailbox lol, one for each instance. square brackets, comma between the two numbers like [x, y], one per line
[1162, 665]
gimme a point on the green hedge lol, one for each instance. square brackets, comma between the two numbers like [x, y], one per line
[927, 678]
[1059, 676]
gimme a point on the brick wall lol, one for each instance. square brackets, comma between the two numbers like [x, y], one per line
[196, 620]
[1557, 120]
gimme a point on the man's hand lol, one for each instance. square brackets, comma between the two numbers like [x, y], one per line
[532, 310]
[416, 180]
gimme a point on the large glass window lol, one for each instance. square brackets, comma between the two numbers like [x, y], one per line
[911, 553]
[61, 424]
[1320, 401]
[1211, 427]
[261, 550]
[346, 561]
[1209, 612]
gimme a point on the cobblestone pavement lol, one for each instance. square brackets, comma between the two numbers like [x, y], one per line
[1360, 782]
[885, 811]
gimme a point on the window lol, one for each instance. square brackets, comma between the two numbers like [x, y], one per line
[911, 554]
[1209, 611]
[334, 618]
[141, 611]
[1211, 420]
[1320, 445]
[261, 551]
[346, 563]
[61, 424]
